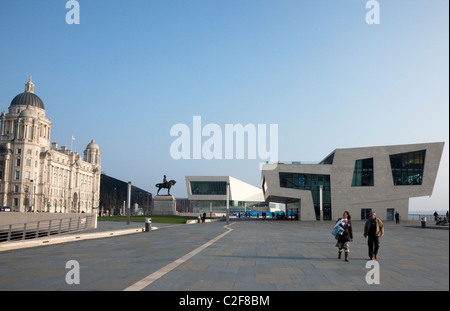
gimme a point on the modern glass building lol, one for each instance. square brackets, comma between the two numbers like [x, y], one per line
[210, 194]
[357, 180]
[312, 183]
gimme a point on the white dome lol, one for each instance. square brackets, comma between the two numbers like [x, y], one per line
[93, 145]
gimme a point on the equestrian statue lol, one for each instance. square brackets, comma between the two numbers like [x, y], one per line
[165, 185]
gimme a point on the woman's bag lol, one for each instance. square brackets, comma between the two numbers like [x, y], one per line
[338, 230]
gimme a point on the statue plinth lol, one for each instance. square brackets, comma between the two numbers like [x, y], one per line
[164, 205]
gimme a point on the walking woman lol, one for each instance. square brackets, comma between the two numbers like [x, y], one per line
[343, 242]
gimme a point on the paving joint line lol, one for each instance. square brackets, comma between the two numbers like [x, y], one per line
[138, 286]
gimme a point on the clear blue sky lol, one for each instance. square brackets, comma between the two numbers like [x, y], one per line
[132, 69]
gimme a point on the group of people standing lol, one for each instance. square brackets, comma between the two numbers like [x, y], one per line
[201, 218]
[440, 220]
[373, 229]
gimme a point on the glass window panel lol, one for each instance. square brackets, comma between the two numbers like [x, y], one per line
[209, 187]
[363, 173]
[407, 168]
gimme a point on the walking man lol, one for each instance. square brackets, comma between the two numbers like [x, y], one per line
[374, 230]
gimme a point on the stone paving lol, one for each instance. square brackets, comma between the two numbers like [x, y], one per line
[255, 255]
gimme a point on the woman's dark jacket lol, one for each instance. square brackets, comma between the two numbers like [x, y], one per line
[347, 235]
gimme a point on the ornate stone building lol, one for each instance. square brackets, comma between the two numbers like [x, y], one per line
[37, 177]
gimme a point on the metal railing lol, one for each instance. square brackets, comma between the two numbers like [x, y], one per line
[43, 228]
[420, 216]
[440, 220]
[429, 217]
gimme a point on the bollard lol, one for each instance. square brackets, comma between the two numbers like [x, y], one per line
[424, 222]
[148, 224]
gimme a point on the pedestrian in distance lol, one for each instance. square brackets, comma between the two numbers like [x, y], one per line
[436, 217]
[374, 230]
[344, 239]
[397, 218]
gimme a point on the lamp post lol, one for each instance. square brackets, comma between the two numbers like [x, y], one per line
[114, 203]
[148, 203]
[228, 203]
[129, 203]
[31, 196]
[321, 202]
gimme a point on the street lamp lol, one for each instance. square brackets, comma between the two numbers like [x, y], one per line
[129, 203]
[31, 196]
[228, 203]
[321, 202]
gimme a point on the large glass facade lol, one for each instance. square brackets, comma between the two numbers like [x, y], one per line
[407, 168]
[363, 173]
[208, 187]
[311, 182]
[219, 188]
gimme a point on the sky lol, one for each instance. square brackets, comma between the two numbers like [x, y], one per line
[132, 70]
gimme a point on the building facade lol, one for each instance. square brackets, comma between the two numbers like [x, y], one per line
[113, 197]
[209, 193]
[35, 176]
[358, 180]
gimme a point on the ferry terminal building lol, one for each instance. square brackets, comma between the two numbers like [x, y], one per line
[357, 180]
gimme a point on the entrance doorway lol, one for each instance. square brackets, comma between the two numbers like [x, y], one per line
[390, 214]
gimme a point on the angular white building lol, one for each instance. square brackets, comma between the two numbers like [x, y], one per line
[37, 177]
[211, 192]
[358, 180]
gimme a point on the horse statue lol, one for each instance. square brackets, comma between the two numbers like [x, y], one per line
[165, 185]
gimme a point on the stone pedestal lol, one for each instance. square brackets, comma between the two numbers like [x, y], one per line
[164, 205]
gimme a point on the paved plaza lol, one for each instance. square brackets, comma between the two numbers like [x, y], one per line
[248, 255]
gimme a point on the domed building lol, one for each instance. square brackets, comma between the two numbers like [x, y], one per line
[36, 175]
